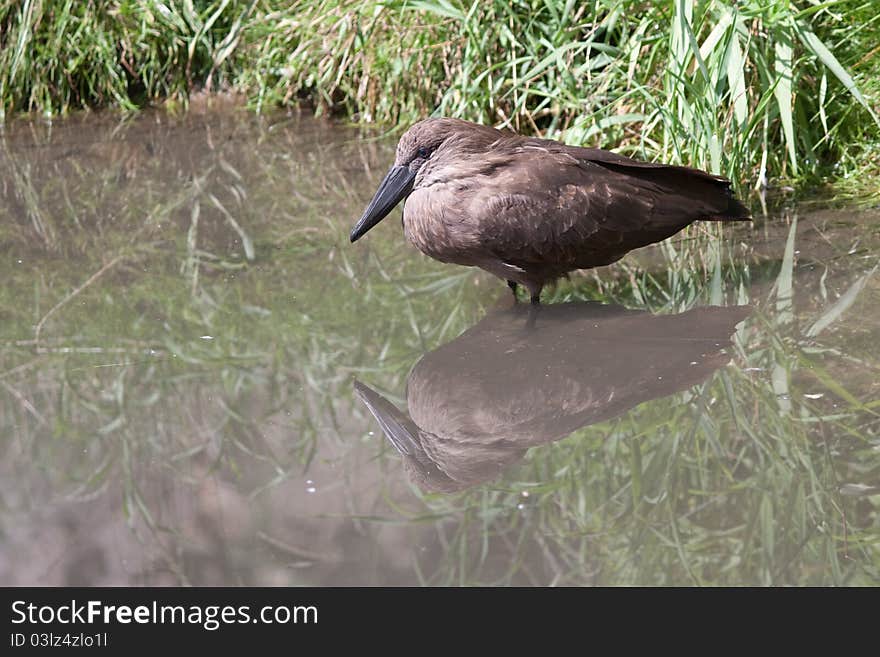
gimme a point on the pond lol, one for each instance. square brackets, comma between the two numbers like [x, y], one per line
[203, 382]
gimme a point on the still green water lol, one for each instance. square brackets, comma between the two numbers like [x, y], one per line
[203, 382]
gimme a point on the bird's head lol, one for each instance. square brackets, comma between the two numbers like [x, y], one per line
[418, 149]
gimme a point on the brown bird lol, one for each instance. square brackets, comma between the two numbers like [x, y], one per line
[477, 403]
[531, 210]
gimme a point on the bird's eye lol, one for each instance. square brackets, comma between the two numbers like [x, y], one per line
[423, 152]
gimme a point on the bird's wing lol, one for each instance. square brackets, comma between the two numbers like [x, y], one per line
[544, 207]
[684, 191]
[549, 203]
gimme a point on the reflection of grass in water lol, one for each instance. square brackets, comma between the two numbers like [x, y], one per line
[124, 382]
[744, 479]
[122, 398]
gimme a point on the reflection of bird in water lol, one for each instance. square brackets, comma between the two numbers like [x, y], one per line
[476, 404]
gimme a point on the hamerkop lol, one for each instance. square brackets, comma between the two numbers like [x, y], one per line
[479, 402]
[531, 210]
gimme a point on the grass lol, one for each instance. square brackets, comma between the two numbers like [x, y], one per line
[182, 368]
[763, 92]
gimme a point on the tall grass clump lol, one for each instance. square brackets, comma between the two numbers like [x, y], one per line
[754, 90]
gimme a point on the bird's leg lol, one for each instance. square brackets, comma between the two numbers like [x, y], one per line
[534, 308]
[512, 286]
[535, 292]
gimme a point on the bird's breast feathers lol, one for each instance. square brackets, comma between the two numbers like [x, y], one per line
[434, 224]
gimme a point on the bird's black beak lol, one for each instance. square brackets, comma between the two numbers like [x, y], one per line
[396, 186]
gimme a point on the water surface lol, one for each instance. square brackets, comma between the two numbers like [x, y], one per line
[203, 382]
